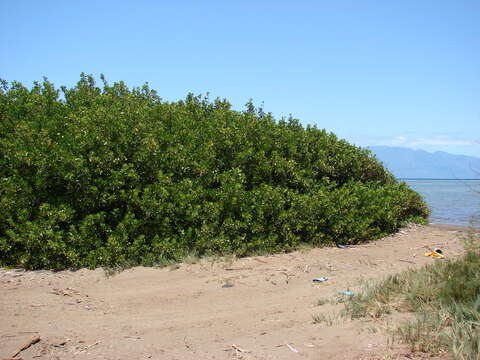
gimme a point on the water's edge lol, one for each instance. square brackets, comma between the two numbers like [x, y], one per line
[452, 201]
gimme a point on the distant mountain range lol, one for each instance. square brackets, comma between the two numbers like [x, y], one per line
[409, 163]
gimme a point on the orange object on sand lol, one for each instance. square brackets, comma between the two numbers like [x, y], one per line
[436, 254]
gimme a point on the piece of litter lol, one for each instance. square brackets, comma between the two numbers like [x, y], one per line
[61, 344]
[228, 285]
[239, 349]
[436, 254]
[87, 347]
[348, 293]
[407, 261]
[320, 279]
[342, 246]
[292, 348]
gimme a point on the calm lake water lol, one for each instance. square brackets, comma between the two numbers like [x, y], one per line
[454, 202]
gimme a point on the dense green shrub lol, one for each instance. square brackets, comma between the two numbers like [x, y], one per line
[93, 176]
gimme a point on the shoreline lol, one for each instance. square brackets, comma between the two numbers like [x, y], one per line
[454, 227]
[435, 179]
[459, 227]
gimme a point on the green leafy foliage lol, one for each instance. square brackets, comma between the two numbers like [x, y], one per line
[105, 175]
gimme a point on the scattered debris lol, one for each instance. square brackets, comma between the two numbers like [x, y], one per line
[347, 293]
[306, 269]
[37, 305]
[238, 268]
[292, 348]
[320, 279]
[407, 261]
[67, 292]
[61, 344]
[287, 275]
[87, 347]
[59, 292]
[342, 246]
[436, 254]
[188, 345]
[95, 343]
[35, 340]
[132, 337]
[239, 349]
[228, 285]
[289, 346]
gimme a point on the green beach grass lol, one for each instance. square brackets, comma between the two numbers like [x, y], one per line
[443, 300]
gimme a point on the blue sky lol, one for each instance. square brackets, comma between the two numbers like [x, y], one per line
[398, 72]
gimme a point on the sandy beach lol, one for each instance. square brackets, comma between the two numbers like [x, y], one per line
[217, 308]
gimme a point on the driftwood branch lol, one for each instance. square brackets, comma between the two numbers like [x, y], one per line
[35, 340]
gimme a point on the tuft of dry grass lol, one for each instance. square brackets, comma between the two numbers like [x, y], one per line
[443, 297]
[327, 319]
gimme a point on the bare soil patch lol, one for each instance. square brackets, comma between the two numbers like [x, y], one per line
[249, 308]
